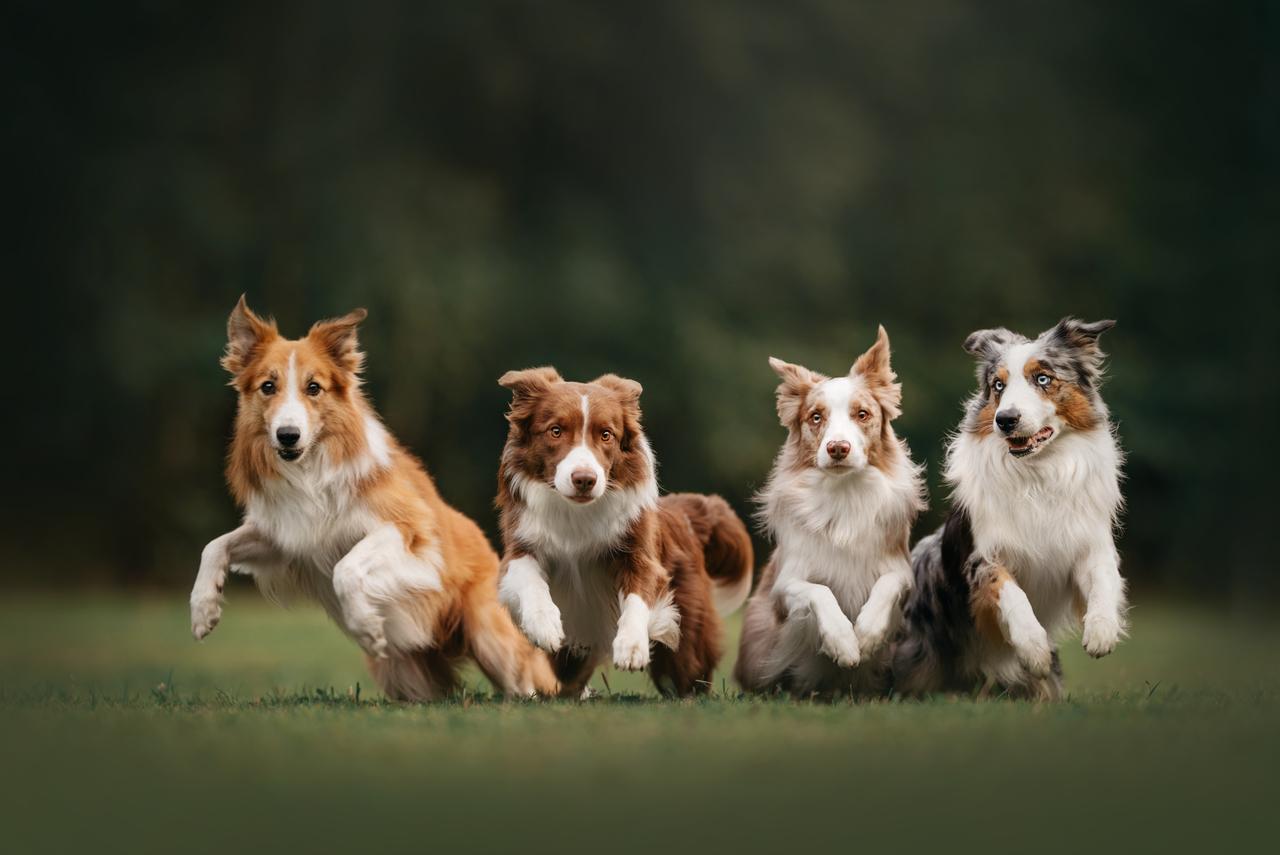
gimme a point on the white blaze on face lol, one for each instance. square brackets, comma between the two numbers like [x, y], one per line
[1020, 394]
[292, 413]
[838, 395]
[581, 457]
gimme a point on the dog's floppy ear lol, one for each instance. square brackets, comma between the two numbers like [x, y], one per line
[628, 391]
[338, 338]
[983, 343]
[529, 381]
[797, 382]
[1082, 339]
[245, 331]
[875, 369]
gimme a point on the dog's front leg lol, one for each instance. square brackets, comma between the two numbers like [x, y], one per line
[1101, 587]
[810, 601]
[523, 589]
[882, 611]
[241, 547]
[376, 571]
[996, 598]
[640, 580]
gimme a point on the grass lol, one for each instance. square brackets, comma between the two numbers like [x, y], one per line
[119, 733]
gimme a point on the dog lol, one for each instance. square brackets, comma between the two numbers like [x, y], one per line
[335, 510]
[1029, 544]
[839, 503]
[594, 562]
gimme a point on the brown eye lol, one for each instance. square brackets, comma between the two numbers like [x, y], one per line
[313, 388]
[863, 415]
[555, 431]
[816, 418]
[269, 387]
[606, 435]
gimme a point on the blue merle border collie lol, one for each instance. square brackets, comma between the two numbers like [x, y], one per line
[1028, 548]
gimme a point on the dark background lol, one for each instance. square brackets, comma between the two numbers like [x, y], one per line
[673, 191]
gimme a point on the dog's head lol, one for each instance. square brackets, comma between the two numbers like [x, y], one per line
[581, 439]
[294, 394]
[841, 425]
[1031, 392]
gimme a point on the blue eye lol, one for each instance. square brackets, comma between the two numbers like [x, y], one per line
[1043, 379]
[999, 386]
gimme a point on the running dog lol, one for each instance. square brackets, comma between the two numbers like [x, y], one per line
[335, 510]
[595, 562]
[1028, 548]
[839, 503]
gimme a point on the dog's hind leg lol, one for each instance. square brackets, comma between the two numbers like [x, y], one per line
[508, 659]
[423, 675]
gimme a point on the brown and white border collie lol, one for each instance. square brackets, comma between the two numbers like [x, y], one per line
[1029, 545]
[335, 510]
[596, 564]
[839, 503]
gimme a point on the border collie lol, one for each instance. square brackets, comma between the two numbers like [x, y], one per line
[337, 511]
[595, 562]
[1029, 545]
[839, 503]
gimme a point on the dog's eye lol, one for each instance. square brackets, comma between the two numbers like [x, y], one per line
[1044, 379]
[555, 431]
[313, 388]
[998, 385]
[863, 415]
[816, 418]
[606, 435]
[268, 387]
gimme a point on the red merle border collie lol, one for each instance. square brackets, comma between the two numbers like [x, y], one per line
[840, 503]
[1028, 548]
[337, 511]
[596, 564]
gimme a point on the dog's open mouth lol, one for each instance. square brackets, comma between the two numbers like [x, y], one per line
[1021, 446]
[289, 454]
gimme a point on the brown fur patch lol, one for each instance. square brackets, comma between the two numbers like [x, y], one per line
[984, 603]
[1071, 402]
[987, 415]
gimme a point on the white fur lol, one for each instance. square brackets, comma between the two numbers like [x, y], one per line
[838, 394]
[571, 541]
[292, 412]
[523, 589]
[1021, 394]
[581, 457]
[1049, 519]
[631, 644]
[837, 562]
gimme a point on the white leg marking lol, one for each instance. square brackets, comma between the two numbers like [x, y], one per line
[631, 644]
[1101, 585]
[835, 631]
[524, 591]
[1024, 632]
[377, 571]
[882, 612]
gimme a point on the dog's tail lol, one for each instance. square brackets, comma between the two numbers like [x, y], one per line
[726, 546]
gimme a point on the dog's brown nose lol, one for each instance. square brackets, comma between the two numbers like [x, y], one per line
[583, 480]
[838, 449]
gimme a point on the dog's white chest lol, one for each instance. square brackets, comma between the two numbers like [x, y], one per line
[312, 521]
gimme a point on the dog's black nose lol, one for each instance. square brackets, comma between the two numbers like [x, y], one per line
[838, 449]
[1007, 420]
[583, 480]
[288, 436]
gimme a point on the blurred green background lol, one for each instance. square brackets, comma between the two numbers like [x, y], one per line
[673, 191]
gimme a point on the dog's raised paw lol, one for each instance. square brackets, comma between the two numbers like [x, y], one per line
[630, 653]
[1100, 636]
[1034, 652]
[544, 628]
[205, 614]
[842, 646]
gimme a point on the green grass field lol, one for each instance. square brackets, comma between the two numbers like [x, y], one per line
[119, 733]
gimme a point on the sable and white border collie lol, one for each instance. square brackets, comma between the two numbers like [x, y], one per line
[336, 510]
[839, 503]
[595, 562]
[1029, 544]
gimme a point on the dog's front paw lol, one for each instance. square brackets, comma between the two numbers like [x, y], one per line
[871, 632]
[631, 652]
[206, 611]
[543, 627]
[1101, 635]
[1031, 643]
[841, 644]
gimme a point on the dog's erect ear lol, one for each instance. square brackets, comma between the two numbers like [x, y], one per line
[985, 343]
[529, 382]
[1076, 333]
[245, 331]
[797, 382]
[874, 367]
[338, 338]
[628, 390]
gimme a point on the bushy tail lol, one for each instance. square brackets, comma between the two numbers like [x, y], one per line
[726, 546]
